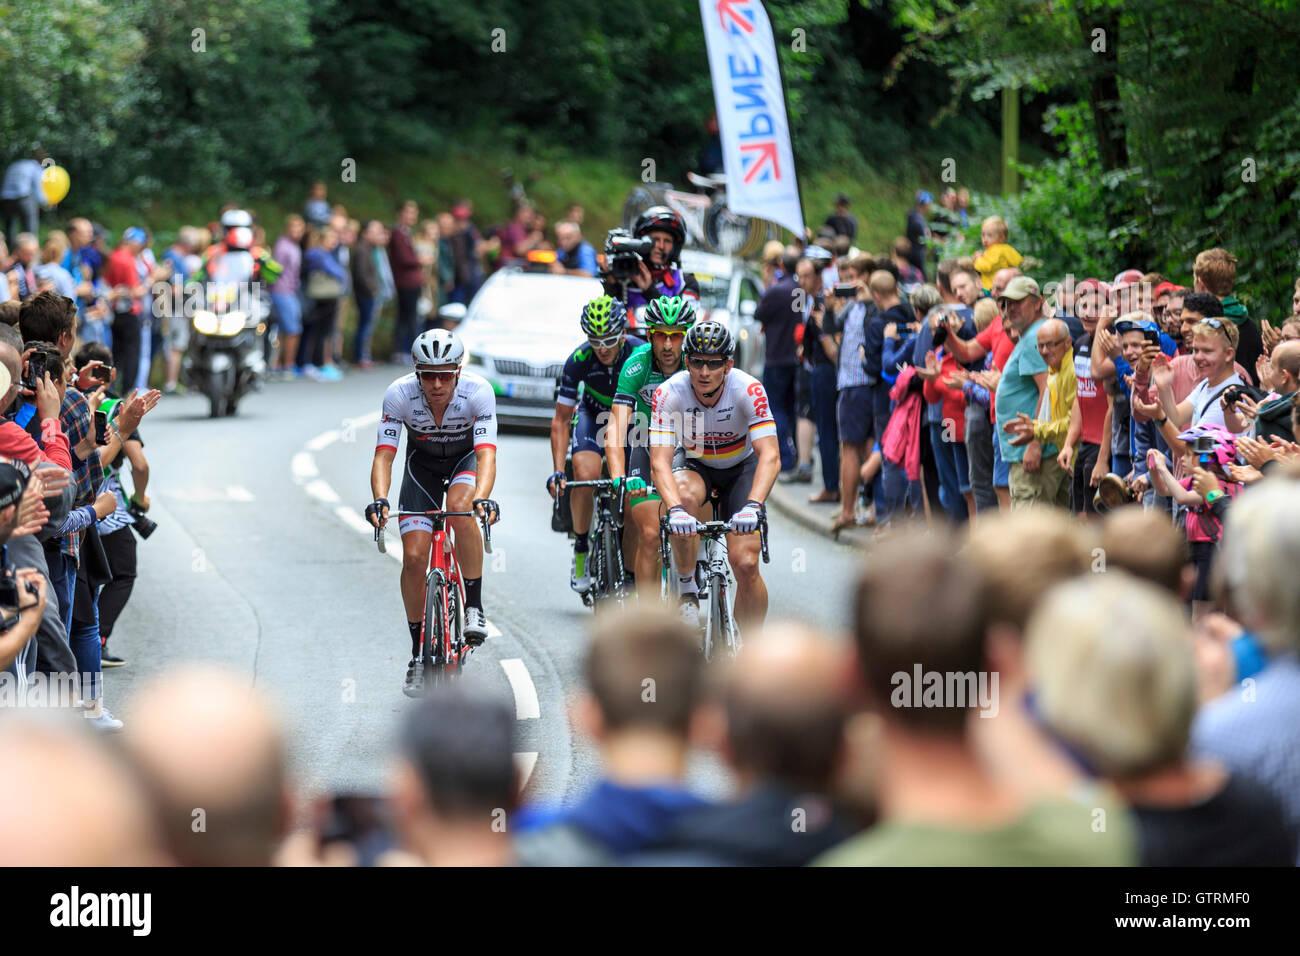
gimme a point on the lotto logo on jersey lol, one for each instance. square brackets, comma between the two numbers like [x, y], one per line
[760, 399]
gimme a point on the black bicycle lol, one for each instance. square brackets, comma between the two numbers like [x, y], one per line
[605, 559]
[713, 579]
[443, 648]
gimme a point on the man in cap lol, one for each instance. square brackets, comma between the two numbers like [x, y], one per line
[1020, 390]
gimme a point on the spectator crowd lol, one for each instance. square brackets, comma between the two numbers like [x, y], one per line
[942, 402]
[327, 271]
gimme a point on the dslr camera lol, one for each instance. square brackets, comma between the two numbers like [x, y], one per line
[624, 254]
[1234, 393]
[143, 524]
[9, 588]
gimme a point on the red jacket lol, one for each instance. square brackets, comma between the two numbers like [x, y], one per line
[16, 443]
[954, 399]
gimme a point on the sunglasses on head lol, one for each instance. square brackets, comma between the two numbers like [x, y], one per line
[429, 375]
[712, 364]
[608, 342]
[1213, 322]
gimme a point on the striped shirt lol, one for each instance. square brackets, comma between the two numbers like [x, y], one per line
[853, 325]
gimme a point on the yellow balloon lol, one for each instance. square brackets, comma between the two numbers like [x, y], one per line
[55, 184]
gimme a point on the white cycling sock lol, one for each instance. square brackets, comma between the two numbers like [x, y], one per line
[686, 584]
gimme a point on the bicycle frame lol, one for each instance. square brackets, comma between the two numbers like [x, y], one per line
[444, 651]
[606, 551]
[714, 579]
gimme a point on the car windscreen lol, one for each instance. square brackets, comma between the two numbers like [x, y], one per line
[713, 291]
[533, 303]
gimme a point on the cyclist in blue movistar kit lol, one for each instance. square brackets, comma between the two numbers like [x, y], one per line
[661, 277]
[593, 367]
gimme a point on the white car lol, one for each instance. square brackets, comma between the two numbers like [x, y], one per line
[518, 331]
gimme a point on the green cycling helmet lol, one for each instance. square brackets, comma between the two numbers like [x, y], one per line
[672, 313]
[604, 317]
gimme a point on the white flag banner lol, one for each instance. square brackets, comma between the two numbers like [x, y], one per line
[752, 122]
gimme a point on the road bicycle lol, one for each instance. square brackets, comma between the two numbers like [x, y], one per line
[710, 223]
[605, 557]
[443, 648]
[713, 580]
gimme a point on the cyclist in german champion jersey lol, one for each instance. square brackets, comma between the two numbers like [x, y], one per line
[450, 418]
[593, 367]
[719, 417]
[667, 320]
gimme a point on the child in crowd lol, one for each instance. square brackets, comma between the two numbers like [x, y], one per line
[997, 254]
[1205, 493]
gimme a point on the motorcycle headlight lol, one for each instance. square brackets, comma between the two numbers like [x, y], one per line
[232, 323]
[205, 322]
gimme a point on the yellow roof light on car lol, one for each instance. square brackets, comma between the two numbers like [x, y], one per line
[541, 256]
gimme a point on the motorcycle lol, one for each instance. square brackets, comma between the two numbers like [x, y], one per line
[226, 359]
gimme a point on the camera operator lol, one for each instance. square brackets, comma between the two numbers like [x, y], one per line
[22, 592]
[117, 530]
[636, 278]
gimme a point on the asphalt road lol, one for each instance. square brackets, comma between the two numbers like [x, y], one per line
[262, 563]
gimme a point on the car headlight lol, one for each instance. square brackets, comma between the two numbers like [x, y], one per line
[473, 359]
[205, 322]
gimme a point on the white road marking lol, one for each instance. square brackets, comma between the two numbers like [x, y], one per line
[524, 764]
[353, 519]
[321, 490]
[238, 493]
[324, 440]
[521, 683]
[493, 630]
[304, 467]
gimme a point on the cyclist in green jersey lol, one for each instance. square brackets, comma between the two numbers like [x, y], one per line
[666, 321]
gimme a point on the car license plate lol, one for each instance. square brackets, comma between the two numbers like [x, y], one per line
[531, 391]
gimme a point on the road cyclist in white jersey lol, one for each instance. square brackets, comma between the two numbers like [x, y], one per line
[711, 430]
[451, 431]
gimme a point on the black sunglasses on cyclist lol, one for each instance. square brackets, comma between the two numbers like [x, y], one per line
[429, 375]
[606, 343]
[711, 364]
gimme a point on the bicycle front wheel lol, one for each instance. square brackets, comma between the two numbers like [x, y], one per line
[612, 578]
[433, 646]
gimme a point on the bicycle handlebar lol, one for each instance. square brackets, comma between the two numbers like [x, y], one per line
[712, 529]
[482, 520]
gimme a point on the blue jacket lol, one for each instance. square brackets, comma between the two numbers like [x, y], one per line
[622, 819]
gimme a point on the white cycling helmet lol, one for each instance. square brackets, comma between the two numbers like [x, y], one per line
[437, 347]
[232, 218]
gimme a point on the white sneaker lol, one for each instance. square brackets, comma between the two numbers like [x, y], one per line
[475, 626]
[105, 722]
